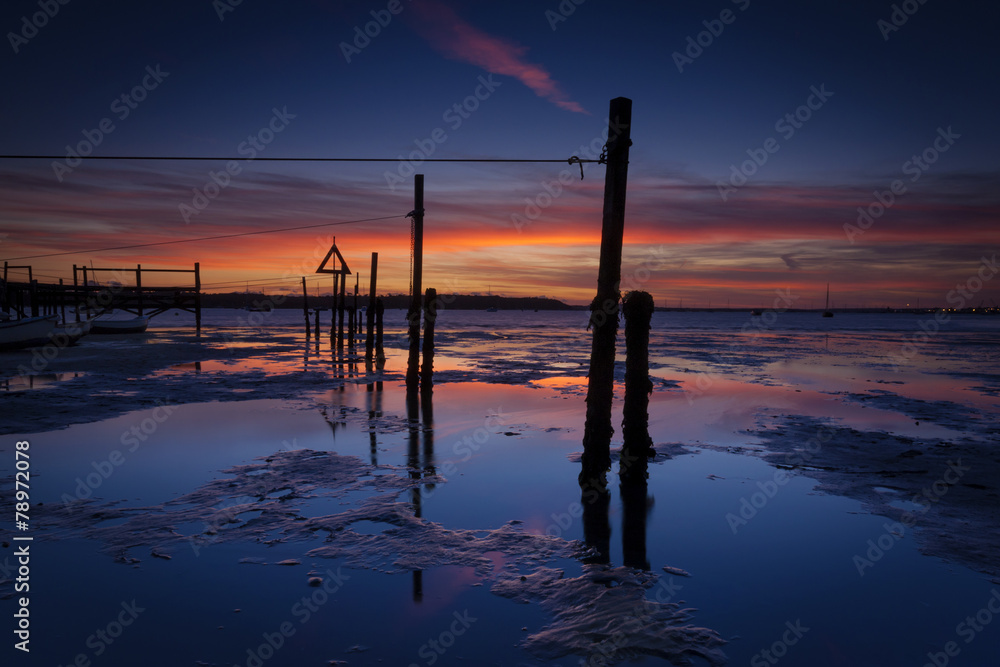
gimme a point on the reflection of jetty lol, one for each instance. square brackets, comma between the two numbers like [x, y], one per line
[120, 289]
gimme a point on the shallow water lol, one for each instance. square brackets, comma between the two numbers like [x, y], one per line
[500, 445]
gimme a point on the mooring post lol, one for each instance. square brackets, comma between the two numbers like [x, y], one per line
[604, 308]
[138, 287]
[430, 316]
[413, 316]
[341, 304]
[370, 315]
[637, 445]
[305, 307]
[379, 349]
[354, 311]
[197, 298]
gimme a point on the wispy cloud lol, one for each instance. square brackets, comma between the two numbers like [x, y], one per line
[456, 38]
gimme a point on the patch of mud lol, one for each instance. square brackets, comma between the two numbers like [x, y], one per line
[952, 487]
[944, 413]
[604, 614]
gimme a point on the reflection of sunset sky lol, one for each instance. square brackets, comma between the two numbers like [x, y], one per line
[783, 229]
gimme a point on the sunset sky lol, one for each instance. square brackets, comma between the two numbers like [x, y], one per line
[882, 95]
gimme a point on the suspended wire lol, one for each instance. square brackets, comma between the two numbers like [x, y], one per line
[572, 160]
[203, 238]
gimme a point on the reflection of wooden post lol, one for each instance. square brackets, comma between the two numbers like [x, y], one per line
[370, 334]
[604, 308]
[340, 311]
[637, 445]
[413, 315]
[430, 315]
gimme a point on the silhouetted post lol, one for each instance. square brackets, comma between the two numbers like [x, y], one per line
[379, 349]
[596, 500]
[341, 305]
[62, 301]
[370, 315]
[430, 316]
[138, 287]
[637, 445]
[604, 308]
[413, 315]
[353, 313]
[305, 306]
[197, 298]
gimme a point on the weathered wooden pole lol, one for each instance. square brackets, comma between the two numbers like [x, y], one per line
[197, 298]
[341, 305]
[333, 309]
[138, 287]
[370, 334]
[305, 307]
[413, 315]
[354, 311]
[379, 349]
[604, 308]
[430, 316]
[637, 445]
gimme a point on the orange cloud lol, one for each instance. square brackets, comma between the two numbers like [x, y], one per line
[459, 40]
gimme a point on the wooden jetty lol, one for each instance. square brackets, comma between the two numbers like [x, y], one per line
[98, 289]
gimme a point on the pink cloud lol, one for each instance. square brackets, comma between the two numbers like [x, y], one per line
[459, 40]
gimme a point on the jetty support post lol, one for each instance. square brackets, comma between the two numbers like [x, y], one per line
[370, 333]
[604, 309]
[430, 316]
[305, 307]
[637, 446]
[197, 298]
[413, 315]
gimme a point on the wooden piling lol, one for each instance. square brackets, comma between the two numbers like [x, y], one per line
[430, 316]
[637, 445]
[354, 312]
[379, 349]
[604, 308]
[413, 315]
[197, 298]
[370, 334]
[138, 288]
[305, 306]
[341, 304]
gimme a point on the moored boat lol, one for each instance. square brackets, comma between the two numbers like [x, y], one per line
[26, 332]
[133, 325]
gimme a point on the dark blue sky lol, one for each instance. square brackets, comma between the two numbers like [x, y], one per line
[889, 99]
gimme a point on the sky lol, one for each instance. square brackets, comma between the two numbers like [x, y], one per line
[777, 146]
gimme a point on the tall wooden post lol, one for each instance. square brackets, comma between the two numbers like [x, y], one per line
[305, 307]
[138, 287]
[370, 334]
[340, 311]
[379, 349]
[604, 308]
[430, 317]
[197, 298]
[637, 445]
[354, 312]
[413, 316]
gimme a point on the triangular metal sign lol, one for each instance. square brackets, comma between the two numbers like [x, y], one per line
[343, 270]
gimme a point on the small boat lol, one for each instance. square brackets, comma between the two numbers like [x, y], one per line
[827, 312]
[491, 309]
[27, 332]
[134, 325]
[65, 335]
